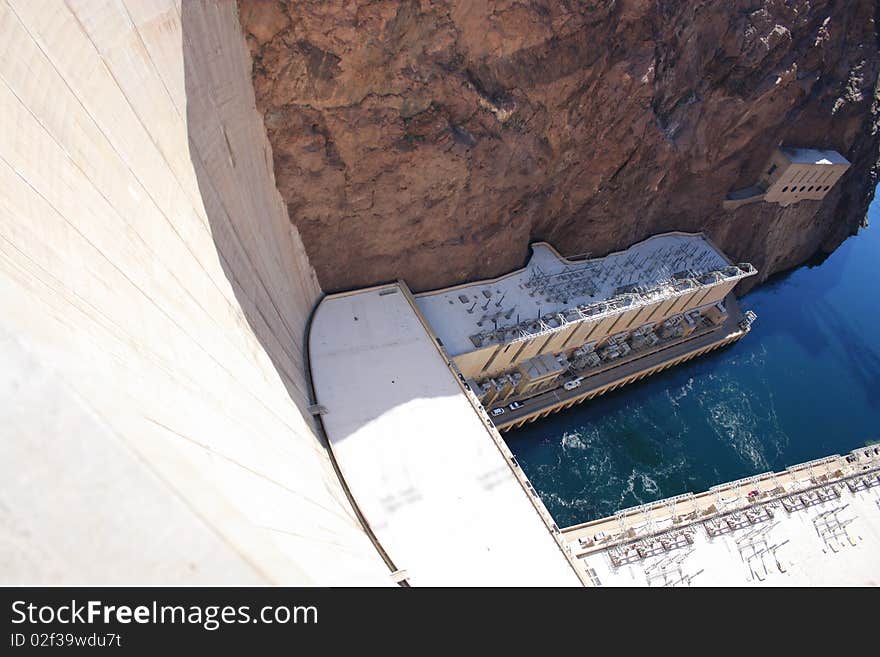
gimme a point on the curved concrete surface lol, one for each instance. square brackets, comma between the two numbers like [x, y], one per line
[154, 298]
[422, 465]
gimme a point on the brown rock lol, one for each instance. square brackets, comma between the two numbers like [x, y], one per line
[264, 19]
[432, 141]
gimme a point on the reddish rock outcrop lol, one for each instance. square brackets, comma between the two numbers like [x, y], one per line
[432, 141]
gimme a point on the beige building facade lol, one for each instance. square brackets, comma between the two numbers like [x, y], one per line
[524, 333]
[792, 175]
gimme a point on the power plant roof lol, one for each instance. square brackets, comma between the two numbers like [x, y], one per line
[550, 284]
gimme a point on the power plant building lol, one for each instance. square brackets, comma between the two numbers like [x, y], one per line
[518, 335]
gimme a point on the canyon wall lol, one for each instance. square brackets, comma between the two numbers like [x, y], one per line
[433, 140]
[153, 386]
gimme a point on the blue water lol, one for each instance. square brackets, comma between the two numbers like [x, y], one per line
[805, 383]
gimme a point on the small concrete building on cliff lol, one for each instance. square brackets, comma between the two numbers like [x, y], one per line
[792, 175]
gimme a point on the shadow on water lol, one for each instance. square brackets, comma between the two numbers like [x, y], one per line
[257, 247]
[862, 358]
[804, 321]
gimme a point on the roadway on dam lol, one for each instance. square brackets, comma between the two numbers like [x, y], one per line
[422, 464]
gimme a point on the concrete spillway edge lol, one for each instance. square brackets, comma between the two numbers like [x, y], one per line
[322, 435]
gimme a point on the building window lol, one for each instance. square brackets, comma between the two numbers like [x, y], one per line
[785, 189]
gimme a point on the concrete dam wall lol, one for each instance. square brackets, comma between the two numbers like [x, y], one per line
[153, 302]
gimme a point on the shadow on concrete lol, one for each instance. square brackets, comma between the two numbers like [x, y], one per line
[258, 248]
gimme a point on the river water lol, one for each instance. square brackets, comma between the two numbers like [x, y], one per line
[805, 383]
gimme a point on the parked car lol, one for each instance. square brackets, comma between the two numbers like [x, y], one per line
[515, 405]
[571, 385]
[497, 411]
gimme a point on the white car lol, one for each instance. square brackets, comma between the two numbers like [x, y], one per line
[515, 405]
[497, 411]
[571, 385]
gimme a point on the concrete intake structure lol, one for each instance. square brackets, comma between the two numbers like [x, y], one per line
[792, 175]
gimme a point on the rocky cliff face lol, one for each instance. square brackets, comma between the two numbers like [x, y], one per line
[433, 140]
